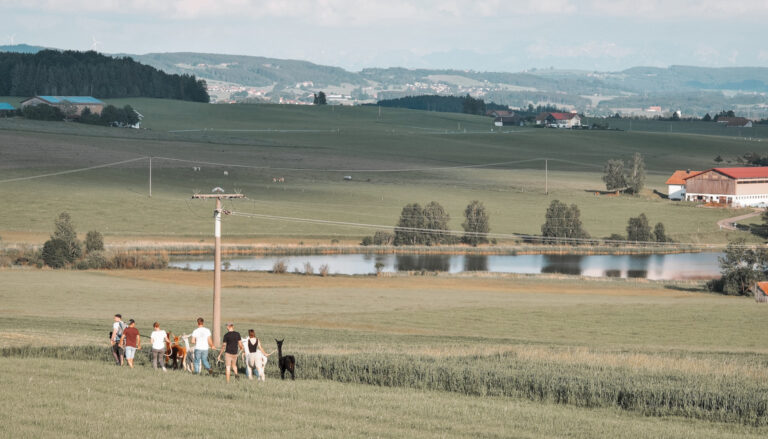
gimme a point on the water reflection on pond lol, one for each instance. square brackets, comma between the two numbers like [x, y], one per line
[672, 266]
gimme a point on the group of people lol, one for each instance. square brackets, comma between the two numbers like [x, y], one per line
[126, 341]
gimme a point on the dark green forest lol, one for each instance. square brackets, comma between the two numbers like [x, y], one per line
[72, 73]
[445, 104]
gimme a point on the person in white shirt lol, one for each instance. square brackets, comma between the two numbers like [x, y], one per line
[159, 339]
[202, 340]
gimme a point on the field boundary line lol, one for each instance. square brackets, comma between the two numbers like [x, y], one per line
[72, 171]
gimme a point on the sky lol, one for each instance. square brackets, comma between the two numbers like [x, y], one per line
[490, 35]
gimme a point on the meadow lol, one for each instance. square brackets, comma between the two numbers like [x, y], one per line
[493, 356]
[393, 158]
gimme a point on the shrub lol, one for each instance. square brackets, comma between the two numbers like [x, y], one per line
[308, 269]
[323, 270]
[279, 267]
[367, 240]
[56, 253]
[94, 241]
[97, 260]
[334, 241]
[383, 238]
[42, 112]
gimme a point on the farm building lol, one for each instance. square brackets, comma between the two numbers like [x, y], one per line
[676, 183]
[558, 120]
[760, 290]
[76, 103]
[738, 187]
[499, 113]
[735, 122]
[503, 121]
[6, 109]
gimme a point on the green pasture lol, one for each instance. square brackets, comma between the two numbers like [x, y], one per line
[313, 149]
[492, 357]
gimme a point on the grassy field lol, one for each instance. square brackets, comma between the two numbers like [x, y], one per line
[313, 148]
[443, 356]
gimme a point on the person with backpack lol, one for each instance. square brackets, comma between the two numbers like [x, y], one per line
[114, 339]
[131, 341]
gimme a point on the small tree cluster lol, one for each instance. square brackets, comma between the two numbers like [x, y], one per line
[64, 248]
[563, 221]
[741, 266]
[111, 115]
[319, 98]
[639, 230]
[42, 112]
[631, 179]
[428, 225]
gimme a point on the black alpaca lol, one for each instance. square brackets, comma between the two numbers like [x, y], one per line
[287, 362]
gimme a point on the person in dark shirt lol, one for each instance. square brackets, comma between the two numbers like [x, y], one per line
[232, 345]
[131, 340]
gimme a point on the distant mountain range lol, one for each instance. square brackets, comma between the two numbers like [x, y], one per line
[693, 90]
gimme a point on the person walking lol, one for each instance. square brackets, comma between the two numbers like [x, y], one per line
[232, 345]
[159, 339]
[131, 340]
[201, 338]
[253, 346]
[114, 339]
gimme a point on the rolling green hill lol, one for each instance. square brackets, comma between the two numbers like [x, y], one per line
[394, 158]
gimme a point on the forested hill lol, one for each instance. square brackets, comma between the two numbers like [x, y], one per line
[72, 73]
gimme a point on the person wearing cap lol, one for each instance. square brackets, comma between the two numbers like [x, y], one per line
[131, 340]
[232, 345]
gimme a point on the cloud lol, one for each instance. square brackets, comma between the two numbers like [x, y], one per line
[653, 10]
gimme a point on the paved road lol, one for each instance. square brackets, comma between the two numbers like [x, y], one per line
[727, 223]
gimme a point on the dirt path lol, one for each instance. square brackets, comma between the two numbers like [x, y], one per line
[728, 223]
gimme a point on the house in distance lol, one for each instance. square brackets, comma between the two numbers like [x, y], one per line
[70, 105]
[558, 120]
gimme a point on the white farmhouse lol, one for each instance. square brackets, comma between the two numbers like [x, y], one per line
[676, 183]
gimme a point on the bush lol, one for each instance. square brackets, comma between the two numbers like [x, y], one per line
[383, 238]
[323, 270]
[279, 267]
[97, 260]
[308, 269]
[42, 112]
[56, 253]
[94, 241]
[367, 240]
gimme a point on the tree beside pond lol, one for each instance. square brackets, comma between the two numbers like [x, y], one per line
[477, 224]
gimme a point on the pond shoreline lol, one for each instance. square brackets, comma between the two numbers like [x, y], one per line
[300, 250]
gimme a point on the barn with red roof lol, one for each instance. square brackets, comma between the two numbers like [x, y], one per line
[738, 187]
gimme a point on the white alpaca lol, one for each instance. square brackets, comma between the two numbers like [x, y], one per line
[189, 359]
[255, 360]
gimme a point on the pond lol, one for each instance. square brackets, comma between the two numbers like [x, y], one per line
[661, 267]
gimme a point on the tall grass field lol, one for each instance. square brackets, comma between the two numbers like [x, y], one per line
[535, 356]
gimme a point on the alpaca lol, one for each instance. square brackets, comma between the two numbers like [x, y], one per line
[178, 353]
[187, 363]
[287, 362]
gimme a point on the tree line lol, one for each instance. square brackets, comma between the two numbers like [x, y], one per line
[445, 104]
[428, 225]
[73, 73]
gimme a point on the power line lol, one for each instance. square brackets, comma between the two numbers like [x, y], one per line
[458, 233]
[439, 168]
[72, 171]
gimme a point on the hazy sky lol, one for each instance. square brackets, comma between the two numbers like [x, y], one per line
[499, 35]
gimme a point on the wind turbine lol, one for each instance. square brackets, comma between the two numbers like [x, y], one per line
[96, 44]
[11, 38]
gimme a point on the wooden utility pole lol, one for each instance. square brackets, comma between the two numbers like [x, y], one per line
[546, 177]
[217, 257]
